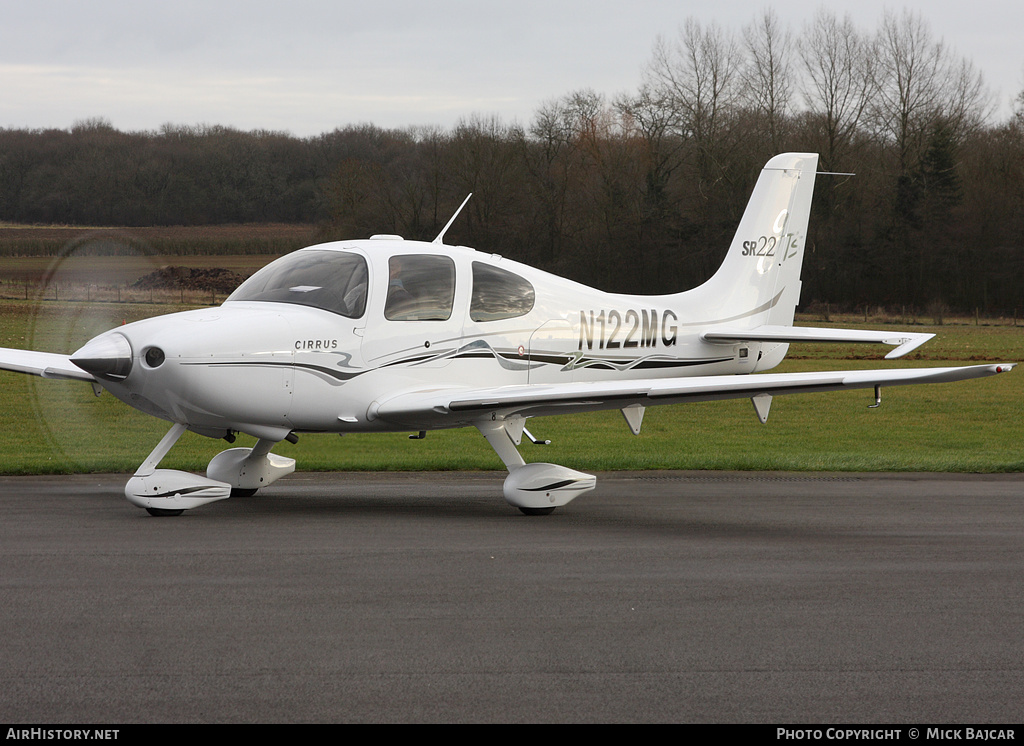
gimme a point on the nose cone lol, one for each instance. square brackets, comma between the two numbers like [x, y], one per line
[108, 356]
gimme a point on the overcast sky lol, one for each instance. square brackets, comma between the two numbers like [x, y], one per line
[309, 66]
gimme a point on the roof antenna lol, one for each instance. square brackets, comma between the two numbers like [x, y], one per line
[440, 236]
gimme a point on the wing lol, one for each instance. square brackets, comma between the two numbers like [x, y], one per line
[45, 364]
[449, 406]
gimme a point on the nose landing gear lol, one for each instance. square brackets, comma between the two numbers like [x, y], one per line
[236, 471]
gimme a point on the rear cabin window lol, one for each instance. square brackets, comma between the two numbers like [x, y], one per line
[335, 281]
[499, 294]
[420, 288]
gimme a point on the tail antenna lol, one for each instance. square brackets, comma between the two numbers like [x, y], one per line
[440, 236]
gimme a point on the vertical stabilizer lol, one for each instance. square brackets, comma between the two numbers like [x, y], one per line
[759, 281]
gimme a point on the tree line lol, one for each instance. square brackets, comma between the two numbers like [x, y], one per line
[636, 193]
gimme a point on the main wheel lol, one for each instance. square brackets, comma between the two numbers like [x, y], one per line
[537, 511]
[240, 492]
[160, 512]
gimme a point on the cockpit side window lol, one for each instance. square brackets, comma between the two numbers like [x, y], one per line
[420, 288]
[499, 294]
[335, 281]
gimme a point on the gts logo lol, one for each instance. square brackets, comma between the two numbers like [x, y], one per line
[614, 330]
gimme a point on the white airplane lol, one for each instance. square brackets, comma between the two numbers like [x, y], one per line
[384, 335]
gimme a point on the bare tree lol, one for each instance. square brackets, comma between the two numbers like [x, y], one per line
[649, 119]
[553, 163]
[838, 62]
[927, 100]
[697, 77]
[484, 160]
[921, 82]
[768, 75]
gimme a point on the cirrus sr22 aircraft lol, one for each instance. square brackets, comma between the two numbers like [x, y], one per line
[385, 335]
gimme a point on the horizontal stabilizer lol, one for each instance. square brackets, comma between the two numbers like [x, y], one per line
[903, 341]
[44, 364]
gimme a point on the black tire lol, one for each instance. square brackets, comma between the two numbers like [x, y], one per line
[239, 492]
[537, 511]
[164, 512]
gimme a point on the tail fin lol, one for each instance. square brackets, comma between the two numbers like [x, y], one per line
[759, 281]
[753, 295]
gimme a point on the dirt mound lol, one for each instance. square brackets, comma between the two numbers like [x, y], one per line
[188, 278]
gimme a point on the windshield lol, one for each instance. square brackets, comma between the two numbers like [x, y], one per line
[335, 281]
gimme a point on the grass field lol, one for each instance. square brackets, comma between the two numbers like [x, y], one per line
[976, 426]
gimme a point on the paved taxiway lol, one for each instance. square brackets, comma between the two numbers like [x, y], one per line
[424, 597]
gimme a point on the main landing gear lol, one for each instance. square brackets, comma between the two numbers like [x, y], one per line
[536, 489]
